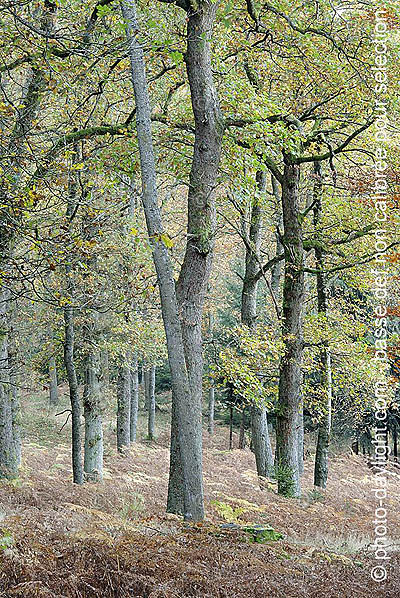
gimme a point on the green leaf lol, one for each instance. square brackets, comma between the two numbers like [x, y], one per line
[177, 57]
[166, 239]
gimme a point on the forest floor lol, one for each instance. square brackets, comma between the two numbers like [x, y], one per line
[115, 540]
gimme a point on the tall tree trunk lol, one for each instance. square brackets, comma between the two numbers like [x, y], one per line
[290, 374]
[194, 275]
[13, 163]
[355, 445]
[92, 412]
[146, 379]
[261, 442]
[324, 428]
[8, 456]
[53, 381]
[230, 428]
[92, 396]
[211, 409]
[124, 405]
[134, 399]
[259, 425]
[185, 493]
[126, 398]
[276, 269]
[69, 342]
[151, 403]
[242, 430]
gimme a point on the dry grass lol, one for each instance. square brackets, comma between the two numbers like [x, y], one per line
[114, 539]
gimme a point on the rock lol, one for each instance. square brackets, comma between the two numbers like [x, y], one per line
[262, 533]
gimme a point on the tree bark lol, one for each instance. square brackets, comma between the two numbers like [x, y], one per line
[53, 381]
[124, 405]
[185, 492]
[194, 275]
[134, 399]
[69, 342]
[276, 269]
[211, 409]
[259, 425]
[324, 429]
[290, 375]
[261, 442]
[92, 412]
[151, 403]
[12, 165]
[146, 379]
[355, 446]
[8, 455]
[230, 428]
[92, 396]
[242, 435]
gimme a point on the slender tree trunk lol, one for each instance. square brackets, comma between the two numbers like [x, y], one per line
[13, 161]
[290, 375]
[242, 434]
[231, 428]
[259, 425]
[53, 381]
[124, 405]
[355, 446]
[134, 399]
[92, 395]
[146, 378]
[261, 442]
[211, 409]
[276, 269]
[93, 461]
[8, 456]
[141, 377]
[324, 428]
[69, 342]
[151, 403]
[185, 493]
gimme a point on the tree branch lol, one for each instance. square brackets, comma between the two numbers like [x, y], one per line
[337, 150]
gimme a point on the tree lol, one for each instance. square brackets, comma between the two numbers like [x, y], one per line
[259, 424]
[186, 437]
[324, 428]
